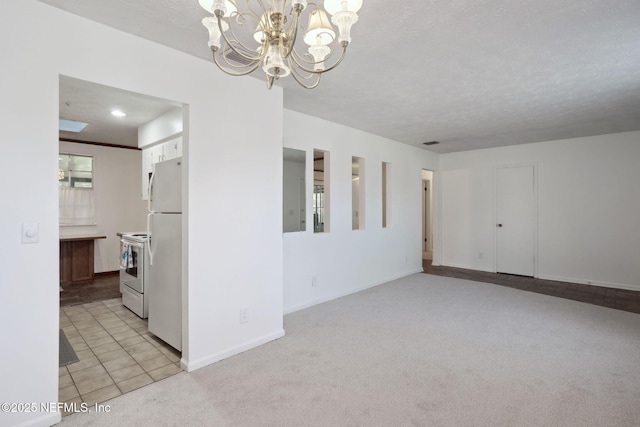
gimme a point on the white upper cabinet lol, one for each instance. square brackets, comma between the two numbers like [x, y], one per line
[160, 140]
[158, 153]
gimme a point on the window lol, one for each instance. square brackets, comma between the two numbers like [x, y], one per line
[75, 189]
[294, 197]
[320, 191]
[357, 193]
[386, 197]
[75, 171]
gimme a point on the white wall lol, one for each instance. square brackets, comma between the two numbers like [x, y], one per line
[588, 208]
[117, 198]
[234, 251]
[162, 128]
[345, 260]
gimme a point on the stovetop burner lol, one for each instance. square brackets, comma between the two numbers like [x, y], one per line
[137, 237]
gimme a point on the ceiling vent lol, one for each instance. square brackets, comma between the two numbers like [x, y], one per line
[431, 143]
[235, 57]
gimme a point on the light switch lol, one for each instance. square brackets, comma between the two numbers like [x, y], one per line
[30, 232]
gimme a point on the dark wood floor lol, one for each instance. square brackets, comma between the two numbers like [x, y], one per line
[619, 299]
[103, 286]
[106, 286]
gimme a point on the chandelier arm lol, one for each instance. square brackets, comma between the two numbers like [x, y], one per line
[294, 74]
[299, 72]
[233, 73]
[344, 52]
[302, 59]
[230, 42]
[293, 34]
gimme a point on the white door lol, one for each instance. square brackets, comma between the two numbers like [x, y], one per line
[515, 220]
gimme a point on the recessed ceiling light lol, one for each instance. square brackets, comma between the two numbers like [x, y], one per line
[118, 113]
[71, 125]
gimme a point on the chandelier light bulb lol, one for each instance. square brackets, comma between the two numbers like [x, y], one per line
[274, 65]
[259, 34]
[226, 6]
[334, 6]
[211, 24]
[319, 53]
[344, 20]
[319, 30]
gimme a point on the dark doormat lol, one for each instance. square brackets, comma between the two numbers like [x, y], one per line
[67, 355]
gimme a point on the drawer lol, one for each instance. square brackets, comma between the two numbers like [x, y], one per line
[135, 302]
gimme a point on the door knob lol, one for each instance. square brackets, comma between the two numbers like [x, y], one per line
[499, 225]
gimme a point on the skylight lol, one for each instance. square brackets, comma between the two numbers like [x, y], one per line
[71, 125]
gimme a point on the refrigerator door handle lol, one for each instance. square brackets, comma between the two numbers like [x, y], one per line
[148, 245]
[149, 251]
[153, 174]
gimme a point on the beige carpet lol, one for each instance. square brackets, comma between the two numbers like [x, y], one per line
[419, 351]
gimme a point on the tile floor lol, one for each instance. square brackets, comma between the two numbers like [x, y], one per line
[117, 354]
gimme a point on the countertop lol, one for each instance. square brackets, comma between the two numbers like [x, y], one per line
[81, 237]
[122, 233]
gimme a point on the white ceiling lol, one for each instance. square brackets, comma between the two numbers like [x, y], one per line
[92, 103]
[468, 73]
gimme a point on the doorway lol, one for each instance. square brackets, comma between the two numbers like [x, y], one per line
[515, 231]
[115, 352]
[427, 216]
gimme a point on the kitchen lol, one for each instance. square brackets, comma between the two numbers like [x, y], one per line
[120, 178]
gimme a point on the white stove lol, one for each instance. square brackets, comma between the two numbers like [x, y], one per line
[136, 237]
[134, 271]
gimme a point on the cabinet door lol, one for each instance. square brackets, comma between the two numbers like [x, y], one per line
[65, 262]
[81, 260]
[172, 148]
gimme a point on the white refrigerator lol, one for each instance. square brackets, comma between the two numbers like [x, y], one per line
[165, 252]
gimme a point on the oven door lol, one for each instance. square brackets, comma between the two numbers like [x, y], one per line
[132, 266]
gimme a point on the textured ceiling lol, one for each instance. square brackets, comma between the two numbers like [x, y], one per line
[468, 73]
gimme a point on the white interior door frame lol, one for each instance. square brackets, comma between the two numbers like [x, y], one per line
[427, 221]
[534, 213]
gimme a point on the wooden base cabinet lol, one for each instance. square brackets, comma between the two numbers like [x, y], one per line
[76, 258]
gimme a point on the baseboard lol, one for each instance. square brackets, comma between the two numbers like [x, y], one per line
[590, 282]
[467, 267]
[41, 421]
[106, 273]
[191, 366]
[331, 297]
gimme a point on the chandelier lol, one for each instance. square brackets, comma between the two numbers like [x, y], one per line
[244, 35]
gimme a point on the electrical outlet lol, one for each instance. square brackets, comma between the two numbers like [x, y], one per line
[244, 315]
[314, 280]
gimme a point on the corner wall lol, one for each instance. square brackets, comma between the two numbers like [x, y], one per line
[343, 260]
[233, 251]
[588, 208]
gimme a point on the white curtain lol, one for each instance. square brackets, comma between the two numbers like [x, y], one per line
[76, 206]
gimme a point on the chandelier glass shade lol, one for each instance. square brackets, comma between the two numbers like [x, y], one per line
[283, 37]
